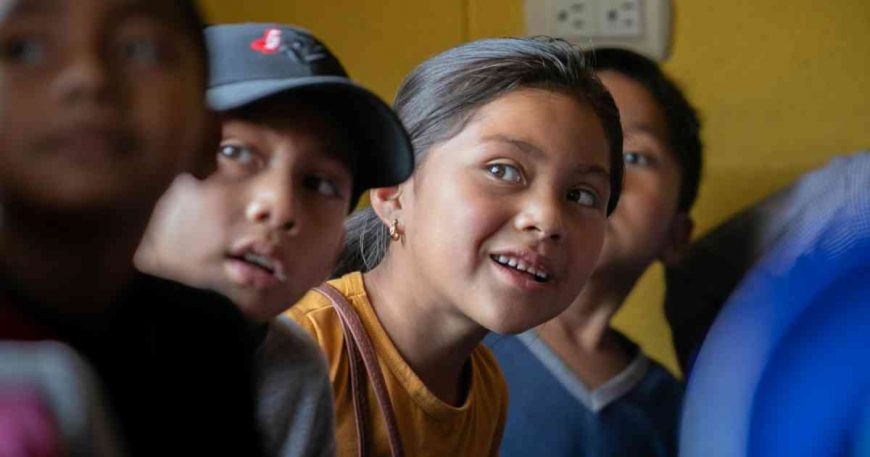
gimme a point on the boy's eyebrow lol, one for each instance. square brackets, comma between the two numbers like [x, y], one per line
[142, 8]
[536, 152]
[124, 8]
[29, 7]
[641, 127]
[160, 11]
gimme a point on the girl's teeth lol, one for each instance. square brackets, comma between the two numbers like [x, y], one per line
[521, 266]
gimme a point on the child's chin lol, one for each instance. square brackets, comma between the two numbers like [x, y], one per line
[257, 312]
[261, 307]
[509, 327]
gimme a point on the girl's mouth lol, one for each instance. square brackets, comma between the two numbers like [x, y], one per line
[536, 273]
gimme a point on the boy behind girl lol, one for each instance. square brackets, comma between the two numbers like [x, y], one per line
[579, 387]
[300, 143]
[101, 105]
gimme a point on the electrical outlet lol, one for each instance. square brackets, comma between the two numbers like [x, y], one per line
[641, 25]
[573, 17]
[620, 18]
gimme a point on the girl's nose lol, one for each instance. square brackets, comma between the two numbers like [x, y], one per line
[541, 216]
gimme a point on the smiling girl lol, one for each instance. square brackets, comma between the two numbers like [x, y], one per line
[519, 162]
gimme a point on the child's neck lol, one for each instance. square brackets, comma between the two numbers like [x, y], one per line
[582, 337]
[438, 353]
[588, 318]
[68, 264]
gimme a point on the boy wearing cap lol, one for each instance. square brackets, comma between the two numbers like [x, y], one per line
[300, 143]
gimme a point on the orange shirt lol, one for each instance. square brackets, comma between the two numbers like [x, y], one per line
[428, 426]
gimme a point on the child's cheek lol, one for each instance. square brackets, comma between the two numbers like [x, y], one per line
[584, 249]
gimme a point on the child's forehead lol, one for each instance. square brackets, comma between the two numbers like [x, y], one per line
[284, 115]
[167, 10]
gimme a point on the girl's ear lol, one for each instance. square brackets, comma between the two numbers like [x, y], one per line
[387, 202]
[678, 239]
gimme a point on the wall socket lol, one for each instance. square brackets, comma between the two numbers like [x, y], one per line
[641, 25]
[620, 18]
[573, 17]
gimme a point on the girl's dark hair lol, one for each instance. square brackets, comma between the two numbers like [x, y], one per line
[440, 96]
[681, 118]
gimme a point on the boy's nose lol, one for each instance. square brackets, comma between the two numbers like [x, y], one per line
[541, 216]
[272, 204]
[85, 77]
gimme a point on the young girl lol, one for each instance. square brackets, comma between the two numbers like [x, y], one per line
[519, 162]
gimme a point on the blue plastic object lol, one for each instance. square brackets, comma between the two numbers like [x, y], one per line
[785, 369]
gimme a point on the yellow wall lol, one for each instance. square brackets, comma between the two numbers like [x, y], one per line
[781, 86]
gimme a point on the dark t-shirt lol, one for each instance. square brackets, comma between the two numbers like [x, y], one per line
[175, 363]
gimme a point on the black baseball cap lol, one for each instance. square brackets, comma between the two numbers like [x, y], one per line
[252, 62]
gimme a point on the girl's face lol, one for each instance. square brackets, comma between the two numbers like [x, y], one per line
[504, 222]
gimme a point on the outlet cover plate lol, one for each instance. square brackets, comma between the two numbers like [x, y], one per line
[644, 26]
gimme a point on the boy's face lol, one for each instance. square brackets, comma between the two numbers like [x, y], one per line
[268, 224]
[647, 222]
[101, 102]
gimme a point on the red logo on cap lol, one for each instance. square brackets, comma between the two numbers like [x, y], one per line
[269, 43]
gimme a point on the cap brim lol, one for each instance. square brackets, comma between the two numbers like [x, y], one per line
[386, 157]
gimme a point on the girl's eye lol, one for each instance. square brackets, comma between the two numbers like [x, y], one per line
[637, 158]
[505, 172]
[236, 153]
[24, 51]
[323, 186]
[584, 197]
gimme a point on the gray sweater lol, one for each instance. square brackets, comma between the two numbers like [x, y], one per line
[294, 395]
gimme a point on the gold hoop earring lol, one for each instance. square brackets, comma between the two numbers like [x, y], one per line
[394, 230]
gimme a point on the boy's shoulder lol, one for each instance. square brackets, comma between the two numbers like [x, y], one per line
[292, 375]
[292, 345]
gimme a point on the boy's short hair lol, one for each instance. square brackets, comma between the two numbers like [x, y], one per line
[253, 62]
[680, 116]
[194, 24]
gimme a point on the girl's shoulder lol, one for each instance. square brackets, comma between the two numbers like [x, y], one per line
[488, 379]
[314, 303]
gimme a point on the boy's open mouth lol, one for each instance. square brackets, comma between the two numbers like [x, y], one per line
[537, 274]
[262, 262]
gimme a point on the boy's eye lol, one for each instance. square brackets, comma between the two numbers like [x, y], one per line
[637, 158]
[24, 50]
[236, 153]
[584, 197]
[141, 50]
[321, 185]
[505, 172]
